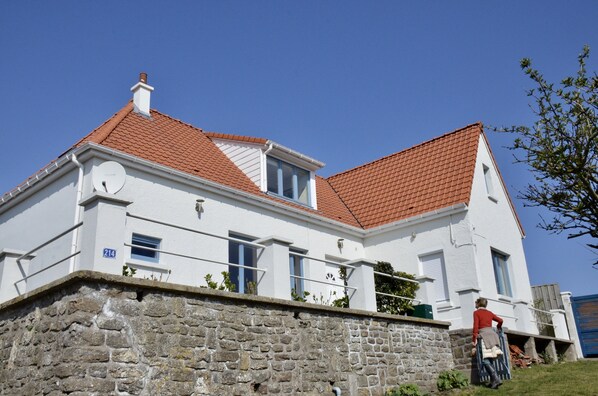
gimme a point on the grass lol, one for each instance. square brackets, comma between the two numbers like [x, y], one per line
[574, 378]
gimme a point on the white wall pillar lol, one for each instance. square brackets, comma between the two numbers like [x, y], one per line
[427, 293]
[11, 271]
[103, 233]
[467, 299]
[276, 281]
[526, 321]
[362, 279]
[572, 327]
[560, 324]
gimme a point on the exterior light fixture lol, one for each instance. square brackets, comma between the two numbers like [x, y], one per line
[340, 243]
[199, 204]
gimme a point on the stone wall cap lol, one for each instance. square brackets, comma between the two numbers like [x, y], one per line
[14, 253]
[99, 277]
[102, 196]
[274, 238]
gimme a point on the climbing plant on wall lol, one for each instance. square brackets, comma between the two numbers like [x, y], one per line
[394, 286]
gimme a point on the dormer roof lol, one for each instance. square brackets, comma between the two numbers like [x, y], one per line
[273, 148]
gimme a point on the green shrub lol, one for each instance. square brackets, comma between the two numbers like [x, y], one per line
[453, 379]
[396, 286]
[226, 283]
[405, 390]
[128, 271]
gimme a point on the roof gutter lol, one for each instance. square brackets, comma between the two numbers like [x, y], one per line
[434, 214]
[271, 144]
[36, 178]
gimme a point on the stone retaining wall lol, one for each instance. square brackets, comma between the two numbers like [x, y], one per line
[93, 333]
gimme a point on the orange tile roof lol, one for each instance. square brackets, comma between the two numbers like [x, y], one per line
[430, 176]
[170, 142]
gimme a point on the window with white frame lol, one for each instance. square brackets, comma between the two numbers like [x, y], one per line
[296, 269]
[500, 262]
[433, 266]
[288, 180]
[238, 253]
[488, 180]
[142, 248]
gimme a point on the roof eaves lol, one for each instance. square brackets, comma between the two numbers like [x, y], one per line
[39, 176]
[436, 213]
[296, 154]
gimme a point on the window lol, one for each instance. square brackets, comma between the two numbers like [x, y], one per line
[433, 266]
[239, 253]
[288, 180]
[488, 180]
[501, 273]
[296, 269]
[139, 251]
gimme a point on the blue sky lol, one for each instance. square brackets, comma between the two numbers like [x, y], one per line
[345, 82]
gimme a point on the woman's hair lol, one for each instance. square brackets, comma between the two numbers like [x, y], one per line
[481, 302]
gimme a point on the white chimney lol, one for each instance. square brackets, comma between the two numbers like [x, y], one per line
[141, 95]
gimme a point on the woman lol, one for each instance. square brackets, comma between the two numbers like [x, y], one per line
[482, 326]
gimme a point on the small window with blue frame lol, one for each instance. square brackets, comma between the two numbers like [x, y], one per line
[144, 248]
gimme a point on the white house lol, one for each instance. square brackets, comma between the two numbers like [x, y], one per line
[177, 203]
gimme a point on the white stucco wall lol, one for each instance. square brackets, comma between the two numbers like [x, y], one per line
[35, 219]
[496, 227]
[464, 235]
[174, 202]
[450, 234]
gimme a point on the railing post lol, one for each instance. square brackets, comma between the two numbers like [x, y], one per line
[427, 293]
[11, 272]
[566, 296]
[274, 258]
[560, 324]
[103, 233]
[467, 298]
[362, 279]
[525, 318]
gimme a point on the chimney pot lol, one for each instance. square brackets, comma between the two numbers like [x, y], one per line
[142, 95]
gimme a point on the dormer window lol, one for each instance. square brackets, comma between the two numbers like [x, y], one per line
[288, 180]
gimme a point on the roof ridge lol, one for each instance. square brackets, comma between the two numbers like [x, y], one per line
[179, 121]
[232, 136]
[478, 123]
[107, 127]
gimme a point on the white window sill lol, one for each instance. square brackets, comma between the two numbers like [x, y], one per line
[444, 306]
[148, 266]
[289, 199]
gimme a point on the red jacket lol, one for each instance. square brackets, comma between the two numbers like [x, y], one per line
[483, 318]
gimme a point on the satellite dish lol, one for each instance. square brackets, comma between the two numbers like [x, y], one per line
[109, 177]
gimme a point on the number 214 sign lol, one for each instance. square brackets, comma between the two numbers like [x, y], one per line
[109, 253]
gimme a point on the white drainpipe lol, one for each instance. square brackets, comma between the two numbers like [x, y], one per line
[264, 175]
[77, 211]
